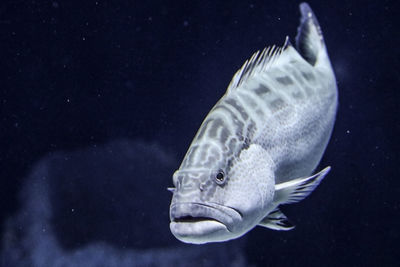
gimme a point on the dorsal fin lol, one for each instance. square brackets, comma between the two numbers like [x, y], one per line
[309, 39]
[259, 62]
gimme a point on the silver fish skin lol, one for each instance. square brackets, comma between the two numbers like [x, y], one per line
[259, 145]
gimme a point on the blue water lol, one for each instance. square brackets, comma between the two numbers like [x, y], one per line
[100, 100]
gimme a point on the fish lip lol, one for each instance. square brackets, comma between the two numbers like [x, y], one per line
[200, 232]
[225, 215]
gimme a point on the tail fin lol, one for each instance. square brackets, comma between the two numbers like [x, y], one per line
[309, 39]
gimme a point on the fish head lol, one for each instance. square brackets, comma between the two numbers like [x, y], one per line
[222, 201]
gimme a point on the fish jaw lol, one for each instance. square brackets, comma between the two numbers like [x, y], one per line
[199, 223]
[200, 232]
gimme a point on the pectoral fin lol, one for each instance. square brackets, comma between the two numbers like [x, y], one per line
[298, 189]
[276, 220]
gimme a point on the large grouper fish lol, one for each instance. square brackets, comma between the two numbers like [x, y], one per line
[259, 145]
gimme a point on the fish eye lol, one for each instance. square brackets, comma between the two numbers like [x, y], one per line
[220, 177]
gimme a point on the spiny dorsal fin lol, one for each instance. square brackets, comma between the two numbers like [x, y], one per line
[259, 62]
[276, 220]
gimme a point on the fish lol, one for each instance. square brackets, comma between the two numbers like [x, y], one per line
[260, 144]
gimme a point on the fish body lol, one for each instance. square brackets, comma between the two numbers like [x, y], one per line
[260, 143]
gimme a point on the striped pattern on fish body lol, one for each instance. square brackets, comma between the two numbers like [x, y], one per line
[259, 144]
[270, 108]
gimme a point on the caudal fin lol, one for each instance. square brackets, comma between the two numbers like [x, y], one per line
[309, 40]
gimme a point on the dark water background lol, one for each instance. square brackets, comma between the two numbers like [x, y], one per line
[100, 100]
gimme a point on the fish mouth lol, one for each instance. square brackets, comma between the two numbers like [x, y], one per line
[190, 219]
[200, 223]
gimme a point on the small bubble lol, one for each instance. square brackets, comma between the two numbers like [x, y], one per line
[185, 23]
[348, 131]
